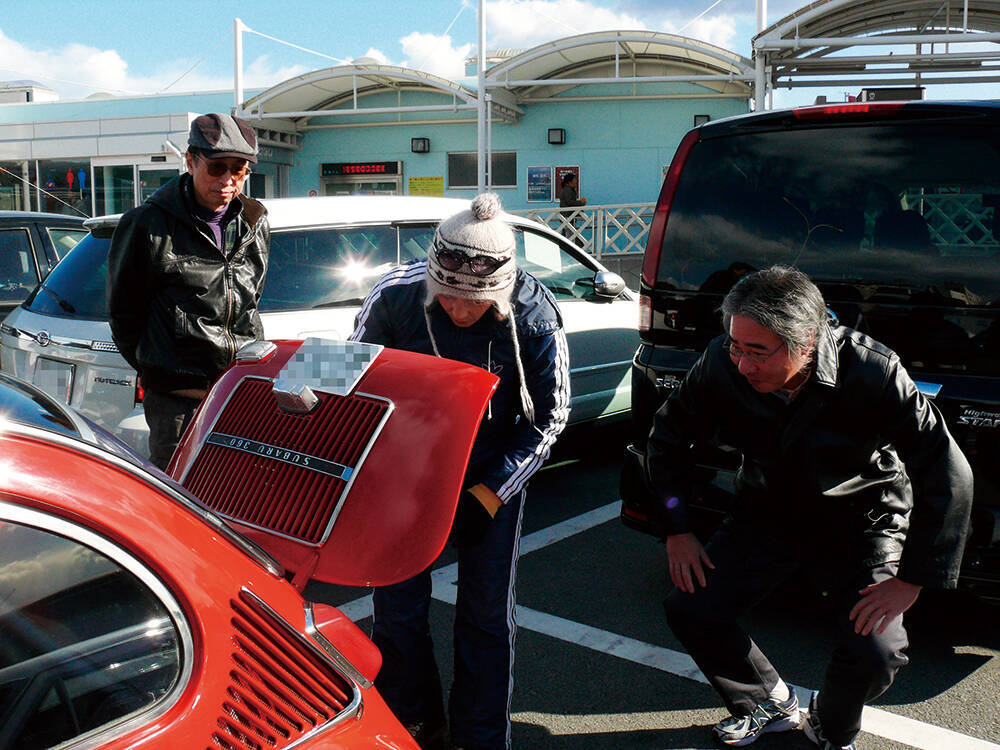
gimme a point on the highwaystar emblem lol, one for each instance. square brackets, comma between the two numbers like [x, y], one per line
[979, 418]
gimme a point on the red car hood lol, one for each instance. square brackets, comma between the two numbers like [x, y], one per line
[343, 460]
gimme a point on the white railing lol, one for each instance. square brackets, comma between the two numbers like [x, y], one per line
[609, 230]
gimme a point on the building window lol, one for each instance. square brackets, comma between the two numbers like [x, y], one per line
[64, 186]
[462, 169]
[114, 187]
[15, 182]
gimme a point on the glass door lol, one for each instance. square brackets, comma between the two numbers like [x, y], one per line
[152, 179]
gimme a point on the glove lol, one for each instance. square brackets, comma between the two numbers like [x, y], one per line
[472, 520]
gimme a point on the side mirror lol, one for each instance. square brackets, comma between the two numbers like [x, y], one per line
[608, 284]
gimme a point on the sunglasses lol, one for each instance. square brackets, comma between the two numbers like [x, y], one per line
[479, 265]
[218, 168]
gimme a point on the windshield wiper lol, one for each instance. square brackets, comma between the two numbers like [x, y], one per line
[340, 303]
[66, 306]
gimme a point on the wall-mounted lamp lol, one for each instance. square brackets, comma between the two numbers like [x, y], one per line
[420, 145]
[701, 119]
[557, 136]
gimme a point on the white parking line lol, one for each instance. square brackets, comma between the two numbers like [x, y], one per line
[875, 720]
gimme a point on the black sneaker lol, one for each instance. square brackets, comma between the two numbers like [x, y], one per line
[428, 734]
[815, 732]
[769, 716]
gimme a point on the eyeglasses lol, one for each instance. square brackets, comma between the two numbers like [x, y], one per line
[479, 265]
[217, 168]
[737, 354]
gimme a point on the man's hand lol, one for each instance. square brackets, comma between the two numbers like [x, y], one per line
[685, 556]
[881, 603]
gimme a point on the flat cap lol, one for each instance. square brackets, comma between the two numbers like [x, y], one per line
[220, 135]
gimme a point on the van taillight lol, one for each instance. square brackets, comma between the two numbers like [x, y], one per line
[645, 313]
[139, 392]
[654, 243]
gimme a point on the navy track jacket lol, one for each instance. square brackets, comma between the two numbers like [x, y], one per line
[508, 450]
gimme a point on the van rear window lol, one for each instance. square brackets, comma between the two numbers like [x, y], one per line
[913, 207]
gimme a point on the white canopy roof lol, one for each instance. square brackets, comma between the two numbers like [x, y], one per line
[620, 57]
[883, 42]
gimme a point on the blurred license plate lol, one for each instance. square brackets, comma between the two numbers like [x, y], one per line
[55, 378]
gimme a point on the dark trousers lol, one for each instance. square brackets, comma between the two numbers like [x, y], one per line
[479, 703]
[167, 416]
[747, 568]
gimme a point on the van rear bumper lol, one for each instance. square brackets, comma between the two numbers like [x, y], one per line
[980, 574]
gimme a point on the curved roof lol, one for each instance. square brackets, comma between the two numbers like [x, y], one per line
[312, 93]
[627, 55]
[831, 39]
[851, 18]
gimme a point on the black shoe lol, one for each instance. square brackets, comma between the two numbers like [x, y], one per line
[814, 731]
[428, 734]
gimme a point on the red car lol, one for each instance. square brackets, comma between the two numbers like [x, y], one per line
[135, 613]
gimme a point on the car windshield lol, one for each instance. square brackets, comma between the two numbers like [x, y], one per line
[915, 207]
[310, 268]
[325, 267]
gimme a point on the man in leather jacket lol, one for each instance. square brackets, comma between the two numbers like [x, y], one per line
[848, 473]
[185, 273]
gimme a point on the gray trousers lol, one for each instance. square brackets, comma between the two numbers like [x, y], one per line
[167, 416]
[747, 568]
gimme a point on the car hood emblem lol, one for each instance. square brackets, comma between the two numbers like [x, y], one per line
[43, 338]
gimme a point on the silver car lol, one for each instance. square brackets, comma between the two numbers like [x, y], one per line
[326, 253]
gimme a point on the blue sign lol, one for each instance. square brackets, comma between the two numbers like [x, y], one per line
[540, 184]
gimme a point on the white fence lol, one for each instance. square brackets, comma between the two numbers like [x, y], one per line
[613, 230]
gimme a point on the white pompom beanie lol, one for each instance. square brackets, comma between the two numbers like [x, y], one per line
[479, 230]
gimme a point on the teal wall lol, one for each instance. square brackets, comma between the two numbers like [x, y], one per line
[621, 146]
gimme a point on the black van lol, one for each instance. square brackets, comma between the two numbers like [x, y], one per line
[893, 210]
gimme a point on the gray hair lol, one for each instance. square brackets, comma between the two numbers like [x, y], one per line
[782, 300]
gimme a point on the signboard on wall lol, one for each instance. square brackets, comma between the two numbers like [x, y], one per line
[430, 186]
[562, 172]
[539, 184]
[344, 169]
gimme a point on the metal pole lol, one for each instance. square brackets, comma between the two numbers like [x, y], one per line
[238, 65]
[489, 143]
[759, 85]
[481, 100]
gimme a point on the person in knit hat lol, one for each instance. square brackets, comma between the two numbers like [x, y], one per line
[469, 301]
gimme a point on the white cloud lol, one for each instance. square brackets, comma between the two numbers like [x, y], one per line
[378, 56]
[435, 54]
[525, 23]
[77, 71]
[75, 68]
[521, 24]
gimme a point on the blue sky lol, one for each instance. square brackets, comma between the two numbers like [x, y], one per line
[145, 46]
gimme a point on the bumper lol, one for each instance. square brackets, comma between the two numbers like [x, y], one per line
[980, 568]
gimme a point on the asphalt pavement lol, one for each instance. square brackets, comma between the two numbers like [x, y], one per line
[597, 668]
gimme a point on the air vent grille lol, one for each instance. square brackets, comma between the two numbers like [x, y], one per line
[280, 689]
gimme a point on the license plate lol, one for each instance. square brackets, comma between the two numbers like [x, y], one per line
[55, 378]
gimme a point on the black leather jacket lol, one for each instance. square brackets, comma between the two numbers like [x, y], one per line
[859, 463]
[180, 308]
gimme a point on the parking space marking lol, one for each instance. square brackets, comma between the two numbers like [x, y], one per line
[876, 721]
